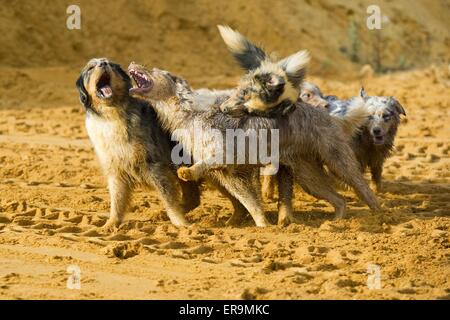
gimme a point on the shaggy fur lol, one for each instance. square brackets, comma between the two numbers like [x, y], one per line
[130, 145]
[374, 143]
[308, 138]
[270, 86]
[255, 89]
[173, 101]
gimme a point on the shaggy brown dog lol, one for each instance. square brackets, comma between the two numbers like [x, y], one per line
[130, 145]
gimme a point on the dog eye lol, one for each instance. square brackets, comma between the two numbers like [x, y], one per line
[386, 117]
[306, 95]
[370, 117]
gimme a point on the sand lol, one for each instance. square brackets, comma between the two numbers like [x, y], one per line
[53, 195]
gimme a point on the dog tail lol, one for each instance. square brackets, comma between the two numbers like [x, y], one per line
[248, 55]
[354, 118]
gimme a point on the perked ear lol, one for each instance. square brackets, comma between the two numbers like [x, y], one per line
[84, 96]
[248, 55]
[295, 67]
[362, 93]
[397, 106]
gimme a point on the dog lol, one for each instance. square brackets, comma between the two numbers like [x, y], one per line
[269, 87]
[132, 148]
[173, 101]
[310, 93]
[308, 138]
[374, 143]
[253, 59]
[334, 151]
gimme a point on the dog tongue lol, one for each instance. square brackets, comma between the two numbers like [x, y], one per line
[106, 91]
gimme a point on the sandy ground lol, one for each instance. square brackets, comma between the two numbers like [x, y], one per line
[53, 196]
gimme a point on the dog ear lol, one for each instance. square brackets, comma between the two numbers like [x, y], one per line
[84, 96]
[311, 87]
[295, 67]
[397, 106]
[175, 78]
[248, 55]
[362, 93]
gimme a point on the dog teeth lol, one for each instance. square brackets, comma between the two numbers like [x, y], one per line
[140, 78]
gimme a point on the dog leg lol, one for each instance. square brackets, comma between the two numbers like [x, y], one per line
[340, 159]
[239, 212]
[196, 171]
[165, 181]
[268, 187]
[376, 171]
[315, 181]
[285, 196]
[237, 184]
[191, 195]
[362, 189]
[119, 192]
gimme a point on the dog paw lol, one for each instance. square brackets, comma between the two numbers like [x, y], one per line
[286, 220]
[234, 220]
[379, 188]
[110, 226]
[179, 221]
[262, 222]
[186, 174]
[269, 196]
[339, 213]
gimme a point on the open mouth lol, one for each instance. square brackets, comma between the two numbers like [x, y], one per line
[143, 82]
[104, 90]
[378, 139]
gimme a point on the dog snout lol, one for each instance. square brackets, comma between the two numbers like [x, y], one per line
[324, 104]
[376, 131]
[277, 82]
